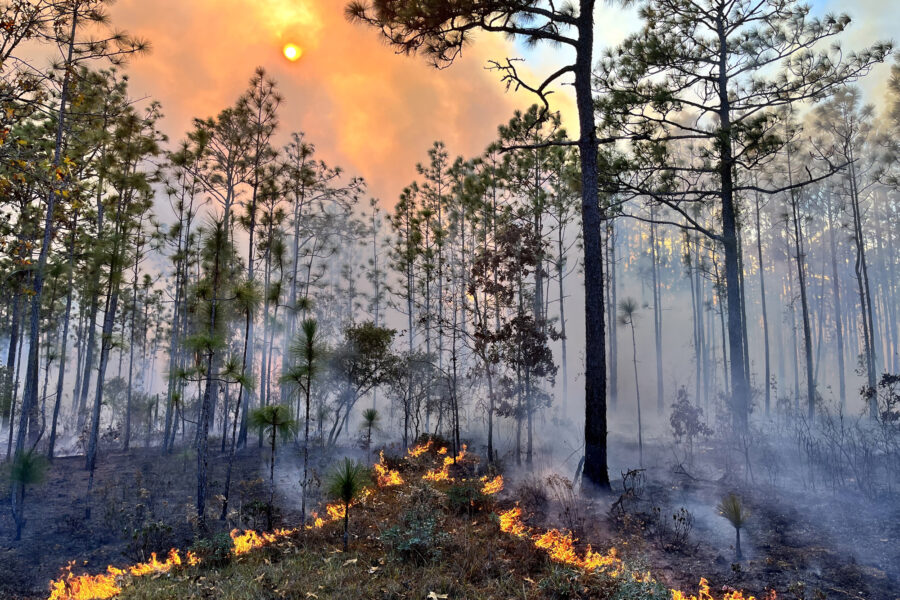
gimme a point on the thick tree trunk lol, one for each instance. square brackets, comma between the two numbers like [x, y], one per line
[595, 464]
[740, 392]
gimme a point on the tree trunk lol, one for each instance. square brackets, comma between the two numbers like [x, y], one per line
[595, 464]
[765, 313]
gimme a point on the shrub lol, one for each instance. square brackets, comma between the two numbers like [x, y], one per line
[417, 539]
[419, 536]
[673, 529]
[465, 498]
[255, 514]
[216, 551]
[153, 536]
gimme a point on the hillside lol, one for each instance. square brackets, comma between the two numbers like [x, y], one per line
[431, 526]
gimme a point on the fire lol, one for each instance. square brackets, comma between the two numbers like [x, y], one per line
[250, 540]
[386, 477]
[335, 511]
[421, 449]
[84, 587]
[105, 585]
[494, 486]
[704, 594]
[443, 474]
[560, 547]
[511, 522]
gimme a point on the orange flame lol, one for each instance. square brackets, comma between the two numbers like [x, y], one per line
[511, 522]
[421, 449]
[249, 540]
[561, 548]
[335, 511]
[705, 594]
[103, 586]
[443, 474]
[84, 587]
[386, 477]
[494, 486]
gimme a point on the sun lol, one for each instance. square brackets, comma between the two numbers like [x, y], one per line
[292, 52]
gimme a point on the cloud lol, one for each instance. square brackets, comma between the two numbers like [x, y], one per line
[367, 109]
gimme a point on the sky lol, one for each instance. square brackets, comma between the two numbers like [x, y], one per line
[365, 108]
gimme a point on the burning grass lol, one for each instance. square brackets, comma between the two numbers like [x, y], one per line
[385, 476]
[475, 559]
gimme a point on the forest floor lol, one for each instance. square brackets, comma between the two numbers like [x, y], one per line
[804, 544]
[142, 503]
[408, 543]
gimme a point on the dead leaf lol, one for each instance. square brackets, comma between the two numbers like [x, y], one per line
[351, 561]
[434, 596]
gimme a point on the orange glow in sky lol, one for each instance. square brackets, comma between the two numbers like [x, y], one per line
[292, 52]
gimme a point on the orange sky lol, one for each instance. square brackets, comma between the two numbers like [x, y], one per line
[365, 108]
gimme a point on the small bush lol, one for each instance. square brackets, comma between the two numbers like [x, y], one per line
[417, 539]
[255, 514]
[465, 498]
[216, 551]
[673, 529]
[154, 536]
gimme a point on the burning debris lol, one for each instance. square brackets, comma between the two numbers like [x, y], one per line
[109, 584]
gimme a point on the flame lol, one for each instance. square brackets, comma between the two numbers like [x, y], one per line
[511, 522]
[494, 486]
[560, 547]
[84, 587]
[250, 540]
[386, 477]
[335, 511]
[443, 474]
[421, 449]
[705, 594]
[105, 585]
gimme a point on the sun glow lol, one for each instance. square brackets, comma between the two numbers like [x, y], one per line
[292, 52]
